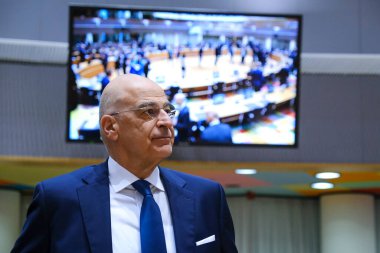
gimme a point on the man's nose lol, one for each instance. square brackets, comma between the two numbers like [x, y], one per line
[164, 119]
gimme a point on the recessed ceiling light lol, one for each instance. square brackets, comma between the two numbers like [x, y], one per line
[322, 185]
[327, 175]
[245, 171]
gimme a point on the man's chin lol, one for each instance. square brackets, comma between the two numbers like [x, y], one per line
[164, 151]
[162, 141]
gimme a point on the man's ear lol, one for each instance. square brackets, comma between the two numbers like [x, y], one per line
[110, 127]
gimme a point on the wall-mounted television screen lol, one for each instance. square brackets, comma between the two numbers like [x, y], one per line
[233, 78]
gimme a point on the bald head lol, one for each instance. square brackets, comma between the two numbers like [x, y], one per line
[134, 138]
[125, 89]
[211, 115]
[179, 98]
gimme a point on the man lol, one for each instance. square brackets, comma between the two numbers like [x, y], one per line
[105, 80]
[97, 208]
[256, 76]
[182, 121]
[216, 132]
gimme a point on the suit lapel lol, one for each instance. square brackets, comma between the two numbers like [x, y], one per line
[94, 201]
[182, 209]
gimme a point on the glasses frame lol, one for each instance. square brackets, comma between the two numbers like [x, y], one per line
[148, 106]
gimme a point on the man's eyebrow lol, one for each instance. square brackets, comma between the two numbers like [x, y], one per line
[146, 104]
[151, 103]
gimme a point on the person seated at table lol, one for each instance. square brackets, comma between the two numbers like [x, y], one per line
[283, 76]
[256, 76]
[105, 80]
[216, 132]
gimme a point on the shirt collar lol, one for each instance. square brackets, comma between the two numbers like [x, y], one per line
[120, 178]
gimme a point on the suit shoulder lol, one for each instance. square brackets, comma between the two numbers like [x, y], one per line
[69, 179]
[192, 179]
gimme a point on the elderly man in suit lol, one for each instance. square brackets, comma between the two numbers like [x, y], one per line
[129, 203]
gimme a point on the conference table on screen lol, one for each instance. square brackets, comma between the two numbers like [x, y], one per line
[236, 105]
[201, 78]
[200, 90]
[231, 110]
[199, 87]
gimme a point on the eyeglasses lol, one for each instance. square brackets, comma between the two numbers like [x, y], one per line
[151, 111]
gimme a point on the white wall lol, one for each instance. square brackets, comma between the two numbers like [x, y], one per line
[333, 26]
[10, 202]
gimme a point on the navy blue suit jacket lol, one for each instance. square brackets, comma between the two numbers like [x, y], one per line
[71, 213]
[220, 133]
[183, 124]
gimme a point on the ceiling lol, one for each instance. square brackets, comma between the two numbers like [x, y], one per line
[271, 179]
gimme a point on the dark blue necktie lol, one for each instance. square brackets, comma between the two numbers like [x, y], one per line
[151, 228]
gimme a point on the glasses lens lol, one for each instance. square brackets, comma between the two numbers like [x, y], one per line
[154, 111]
[170, 110]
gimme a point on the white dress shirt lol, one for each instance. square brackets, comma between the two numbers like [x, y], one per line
[126, 203]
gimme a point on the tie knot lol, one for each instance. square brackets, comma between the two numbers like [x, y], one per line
[143, 187]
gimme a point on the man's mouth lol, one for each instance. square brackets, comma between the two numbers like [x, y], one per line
[162, 137]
